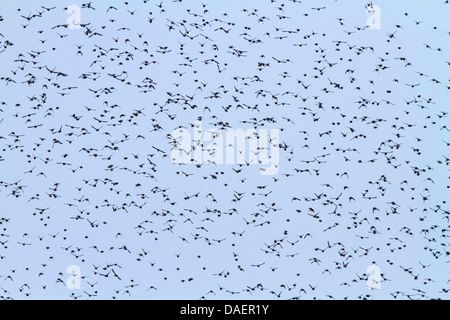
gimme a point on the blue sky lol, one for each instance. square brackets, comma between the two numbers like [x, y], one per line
[319, 30]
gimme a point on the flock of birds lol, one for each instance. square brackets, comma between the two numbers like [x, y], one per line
[85, 151]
